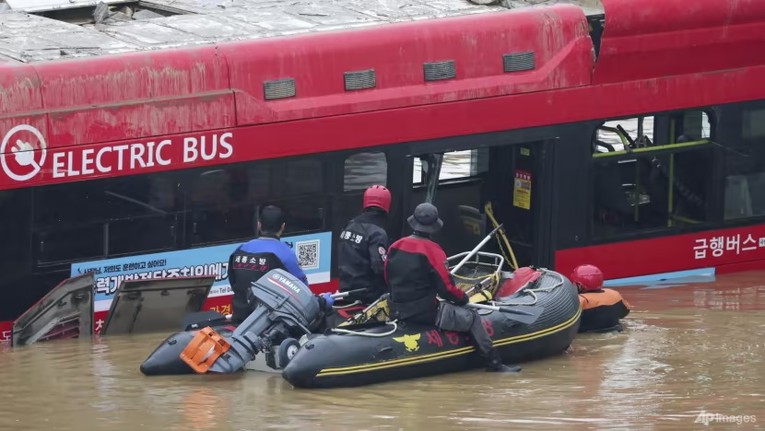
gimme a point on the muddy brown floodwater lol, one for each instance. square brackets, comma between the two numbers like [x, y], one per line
[687, 349]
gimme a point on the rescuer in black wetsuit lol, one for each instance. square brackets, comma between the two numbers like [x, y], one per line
[255, 258]
[417, 270]
[363, 247]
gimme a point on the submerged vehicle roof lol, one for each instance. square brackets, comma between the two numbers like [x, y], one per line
[39, 30]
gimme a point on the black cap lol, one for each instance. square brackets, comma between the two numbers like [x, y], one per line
[271, 219]
[425, 219]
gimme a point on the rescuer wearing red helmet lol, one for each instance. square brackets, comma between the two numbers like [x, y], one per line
[601, 308]
[363, 247]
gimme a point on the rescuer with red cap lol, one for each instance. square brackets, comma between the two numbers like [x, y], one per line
[363, 248]
[601, 307]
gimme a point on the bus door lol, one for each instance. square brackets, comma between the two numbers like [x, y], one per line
[519, 191]
[513, 178]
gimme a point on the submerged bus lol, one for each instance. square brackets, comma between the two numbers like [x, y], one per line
[140, 139]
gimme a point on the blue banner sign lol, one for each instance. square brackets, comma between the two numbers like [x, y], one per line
[312, 250]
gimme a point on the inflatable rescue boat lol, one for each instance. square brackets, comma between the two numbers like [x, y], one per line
[529, 313]
[539, 320]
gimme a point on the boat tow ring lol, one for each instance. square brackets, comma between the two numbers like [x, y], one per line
[286, 351]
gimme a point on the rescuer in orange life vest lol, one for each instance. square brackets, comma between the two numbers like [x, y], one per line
[601, 308]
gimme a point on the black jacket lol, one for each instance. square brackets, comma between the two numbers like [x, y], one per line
[361, 254]
[417, 270]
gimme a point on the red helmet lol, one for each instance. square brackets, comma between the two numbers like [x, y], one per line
[587, 277]
[377, 196]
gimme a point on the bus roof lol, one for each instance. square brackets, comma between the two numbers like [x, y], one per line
[43, 30]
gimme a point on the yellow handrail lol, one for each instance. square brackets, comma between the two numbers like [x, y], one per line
[654, 148]
[509, 253]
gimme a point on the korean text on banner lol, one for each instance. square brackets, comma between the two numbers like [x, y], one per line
[312, 251]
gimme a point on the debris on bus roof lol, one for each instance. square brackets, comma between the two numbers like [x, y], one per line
[40, 30]
[51, 5]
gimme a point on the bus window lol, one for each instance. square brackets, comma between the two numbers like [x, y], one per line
[303, 200]
[15, 207]
[418, 176]
[651, 172]
[304, 214]
[220, 202]
[105, 217]
[753, 126]
[745, 169]
[363, 170]
[304, 176]
[616, 135]
[455, 165]
[360, 170]
[223, 201]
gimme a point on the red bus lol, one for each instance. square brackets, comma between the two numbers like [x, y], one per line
[632, 138]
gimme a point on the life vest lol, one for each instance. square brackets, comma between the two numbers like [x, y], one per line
[601, 310]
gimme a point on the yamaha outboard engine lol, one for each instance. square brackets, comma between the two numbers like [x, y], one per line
[285, 307]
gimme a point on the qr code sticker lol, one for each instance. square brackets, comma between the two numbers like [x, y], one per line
[308, 254]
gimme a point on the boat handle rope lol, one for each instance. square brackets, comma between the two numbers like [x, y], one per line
[532, 292]
[342, 307]
[369, 334]
[453, 272]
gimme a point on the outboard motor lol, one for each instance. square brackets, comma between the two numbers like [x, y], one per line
[285, 307]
